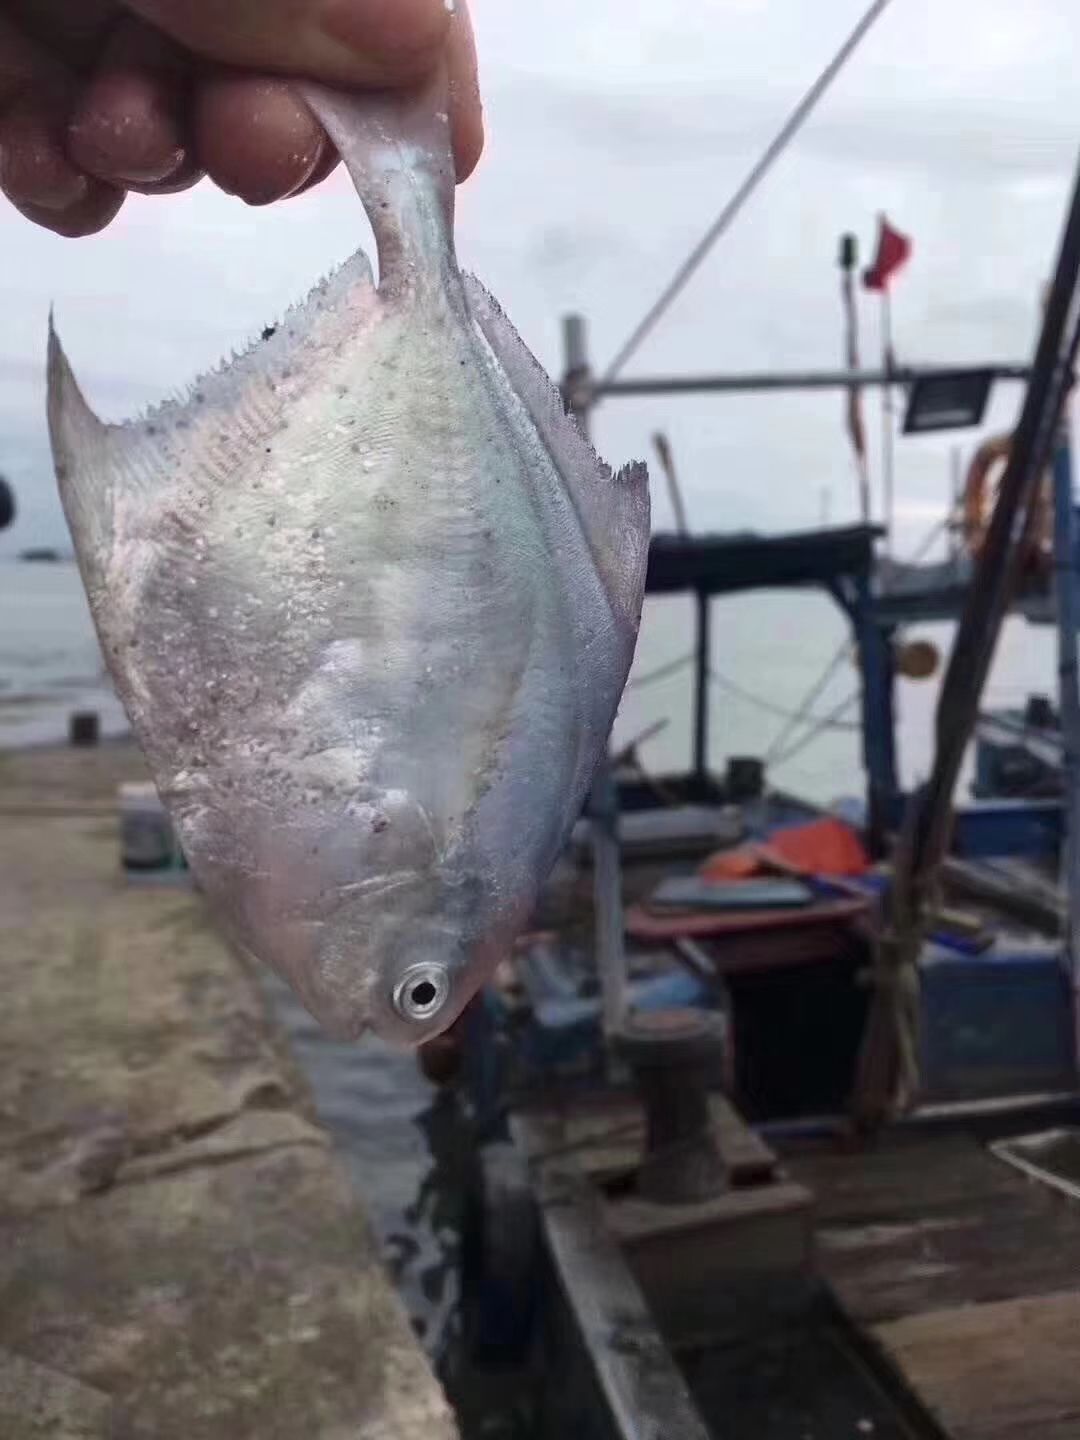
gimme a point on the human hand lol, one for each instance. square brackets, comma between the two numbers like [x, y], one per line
[101, 97]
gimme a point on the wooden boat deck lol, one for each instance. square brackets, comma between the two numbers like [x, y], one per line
[963, 1276]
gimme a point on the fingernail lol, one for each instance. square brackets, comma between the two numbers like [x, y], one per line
[187, 174]
[156, 174]
[269, 194]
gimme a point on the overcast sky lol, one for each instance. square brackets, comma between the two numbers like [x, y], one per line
[616, 131]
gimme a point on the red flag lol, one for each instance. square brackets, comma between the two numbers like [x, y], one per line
[893, 251]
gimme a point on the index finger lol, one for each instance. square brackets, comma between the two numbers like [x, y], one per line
[24, 66]
[35, 172]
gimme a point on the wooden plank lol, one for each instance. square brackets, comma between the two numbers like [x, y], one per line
[638, 1222]
[1002, 1371]
[747, 1158]
[642, 925]
[609, 1137]
[934, 1223]
[646, 1394]
[1036, 904]
[704, 1268]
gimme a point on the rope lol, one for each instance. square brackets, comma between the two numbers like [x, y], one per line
[828, 722]
[776, 753]
[733, 207]
[802, 715]
[671, 667]
[822, 722]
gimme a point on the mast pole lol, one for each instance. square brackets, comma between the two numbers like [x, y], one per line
[888, 365]
[849, 259]
[1065, 584]
[602, 805]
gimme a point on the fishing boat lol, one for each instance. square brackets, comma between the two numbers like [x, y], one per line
[777, 1118]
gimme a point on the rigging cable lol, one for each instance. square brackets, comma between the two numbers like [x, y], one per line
[776, 753]
[822, 722]
[723, 682]
[832, 721]
[733, 207]
[670, 667]
[802, 715]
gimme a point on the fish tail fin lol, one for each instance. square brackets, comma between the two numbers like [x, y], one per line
[397, 149]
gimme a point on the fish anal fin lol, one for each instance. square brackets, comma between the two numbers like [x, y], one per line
[613, 508]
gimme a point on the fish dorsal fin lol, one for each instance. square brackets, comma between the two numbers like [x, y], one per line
[397, 149]
[209, 433]
[613, 508]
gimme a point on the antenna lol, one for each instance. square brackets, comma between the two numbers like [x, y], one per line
[667, 463]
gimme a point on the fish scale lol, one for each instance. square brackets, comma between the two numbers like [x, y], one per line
[370, 599]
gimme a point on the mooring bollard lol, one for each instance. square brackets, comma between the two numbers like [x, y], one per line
[674, 1054]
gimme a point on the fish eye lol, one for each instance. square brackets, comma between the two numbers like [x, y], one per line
[421, 992]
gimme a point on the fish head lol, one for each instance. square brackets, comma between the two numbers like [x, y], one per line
[415, 978]
[374, 927]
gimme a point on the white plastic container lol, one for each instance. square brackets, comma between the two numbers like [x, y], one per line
[147, 839]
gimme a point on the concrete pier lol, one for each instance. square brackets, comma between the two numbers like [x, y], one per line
[181, 1254]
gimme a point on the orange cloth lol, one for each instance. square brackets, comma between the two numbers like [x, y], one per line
[824, 847]
[821, 847]
[737, 864]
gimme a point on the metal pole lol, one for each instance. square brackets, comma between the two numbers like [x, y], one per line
[1065, 577]
[667, 462]
[739, 383]
[701, 693]
[849, 259]
[875, 651]
[887, 425]
[956, 488]
[602, 806]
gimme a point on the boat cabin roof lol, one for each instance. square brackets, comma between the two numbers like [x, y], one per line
[724, 564]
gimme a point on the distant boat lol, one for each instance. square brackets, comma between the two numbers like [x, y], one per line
[7, 504]
[39, 554]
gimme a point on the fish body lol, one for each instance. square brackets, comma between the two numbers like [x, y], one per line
[370, 600]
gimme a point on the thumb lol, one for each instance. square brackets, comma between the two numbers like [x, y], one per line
[345, 42]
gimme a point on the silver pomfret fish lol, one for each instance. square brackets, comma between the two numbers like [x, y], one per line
[370, 601]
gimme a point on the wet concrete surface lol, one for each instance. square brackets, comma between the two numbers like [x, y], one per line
[181, 1250]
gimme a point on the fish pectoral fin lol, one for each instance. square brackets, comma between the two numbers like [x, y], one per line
[396, 146]
[613, 509]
